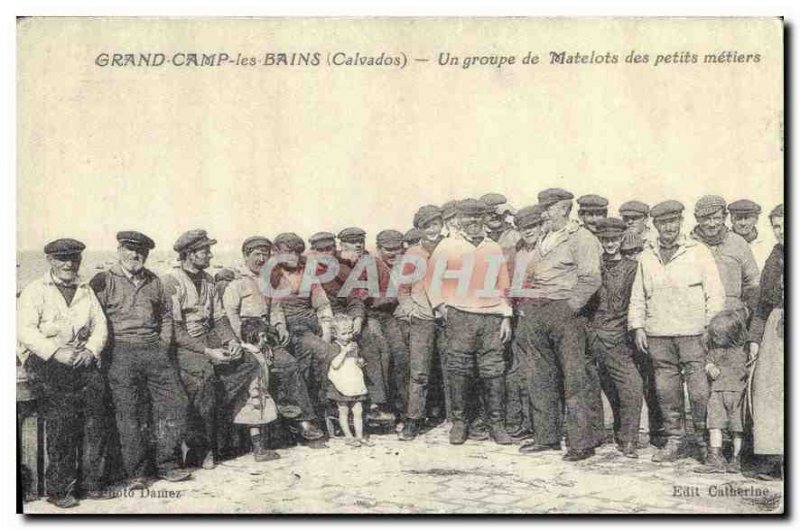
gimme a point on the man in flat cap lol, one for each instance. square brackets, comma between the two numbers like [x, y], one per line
[308, 316]
[744, 222]
[323, 245]
[467, 284]
[140, 324]
[737, 266]
[412, 237]
[609, 342]
[430, 222]
[592, 208]
[519, 421]
[636, 215]
[563, 274]
[668, 322]
[501, 231]
[215, 371]
[450, 218]
[61, 332]
[244, 300]
[632, 245]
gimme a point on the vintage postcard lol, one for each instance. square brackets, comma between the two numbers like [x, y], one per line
[400, 265]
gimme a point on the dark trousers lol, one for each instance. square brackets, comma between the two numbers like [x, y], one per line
[420, 336]
[676, 359]
[74, 403]
[622, 385]
[655, 422]
[473, 342]
[385, 351]
[562, 373]
[290, 386]
[137, 371]
[216, 392]
[312, 355]
[518, 402]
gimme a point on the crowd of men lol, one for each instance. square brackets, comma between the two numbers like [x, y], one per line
[516, 347]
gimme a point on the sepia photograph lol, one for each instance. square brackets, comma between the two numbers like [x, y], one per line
[405, 266]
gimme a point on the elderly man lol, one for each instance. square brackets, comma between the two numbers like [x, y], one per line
[737, 267]
[635, 214]
[609, 341]
[744, 221]
[62, 332]
[676, 292]
[140, 322]
[467, 285]
[592, 208]
[519, 419]
[563, 275]
[243, 300]
[216, 373]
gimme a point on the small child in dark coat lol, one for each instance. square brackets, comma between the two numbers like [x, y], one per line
[726, 367]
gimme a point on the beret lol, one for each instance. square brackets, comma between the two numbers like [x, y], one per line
[64, 247]
[412, 236]
[494, 199]
[668, 208]
[426, 214]
[323, 239]
[634, 208]
[708, 204]
[472, 207]
[389, 239]
[592, 202]
[290, 240]
[254, 242]
[449, 209]
[777, 211]
[553, 195]
[529, 216]
[136, 239]
[352, 232]
[744, 207]
[631, 241]
[193, 240]
[610, 227]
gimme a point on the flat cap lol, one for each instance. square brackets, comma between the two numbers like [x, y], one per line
[708, 204]
[504, 209]
[291, 241]
[777, 211]
[494, 199]
[193, 240]
[472, 207]
[64, 247]
[632, 208]
[136, 239]
[631, 241]
[389, 239]
[610, 227]
[553, 195]
[426, 214]
[592, 202]
[666, 209]
[413, 236]
[529, 216]
[322, 239]
[449, 209]
[254, 242]
[744, 207]
[351, 233]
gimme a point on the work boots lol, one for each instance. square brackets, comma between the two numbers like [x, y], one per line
[458, 399]
[261, 453]
[670, 452]
[715, 463]
[495, 397]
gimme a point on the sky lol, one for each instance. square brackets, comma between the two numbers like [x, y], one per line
[240, 151]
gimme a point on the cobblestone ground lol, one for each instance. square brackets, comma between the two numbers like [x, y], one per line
[430, 476]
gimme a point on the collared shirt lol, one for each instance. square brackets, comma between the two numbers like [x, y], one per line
[137, 307]
[45, 322]
[678, 297]
[243, 298]
[565, 265]
[483, 289]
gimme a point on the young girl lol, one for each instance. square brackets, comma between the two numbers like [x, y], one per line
[726, 366]
[346, 376]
